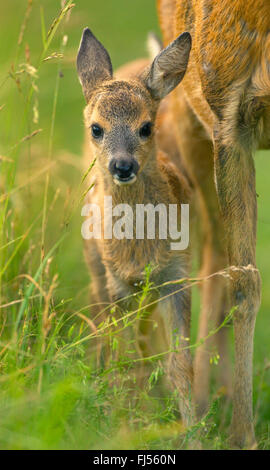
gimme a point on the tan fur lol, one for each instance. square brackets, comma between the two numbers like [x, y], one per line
[225, 96]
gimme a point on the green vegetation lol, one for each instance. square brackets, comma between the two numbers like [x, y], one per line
[52, 395]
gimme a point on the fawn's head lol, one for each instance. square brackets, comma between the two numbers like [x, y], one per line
[120, 115]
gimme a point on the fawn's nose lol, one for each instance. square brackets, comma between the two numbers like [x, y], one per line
[123, 169]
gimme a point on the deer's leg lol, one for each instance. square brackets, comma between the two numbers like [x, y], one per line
[99, 299]
[176, 311]
[213, 309]
[235, 178]
[197, 154]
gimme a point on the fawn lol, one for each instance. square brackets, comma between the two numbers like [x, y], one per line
[120, 119]
[222, 108]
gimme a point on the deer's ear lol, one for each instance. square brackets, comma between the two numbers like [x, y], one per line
[169, 67]
[93, 63]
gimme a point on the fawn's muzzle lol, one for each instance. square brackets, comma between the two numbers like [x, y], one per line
[124, 170]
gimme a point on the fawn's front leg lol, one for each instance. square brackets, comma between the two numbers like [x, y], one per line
[176, 308]
[99, 298]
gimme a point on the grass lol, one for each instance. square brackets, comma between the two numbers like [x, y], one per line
[52, 395]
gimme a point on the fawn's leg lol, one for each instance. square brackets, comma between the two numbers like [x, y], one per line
[99, 297]
[176, 311]
[197, 153]
[235, 177]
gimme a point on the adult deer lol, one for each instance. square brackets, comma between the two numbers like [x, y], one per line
[222, 108]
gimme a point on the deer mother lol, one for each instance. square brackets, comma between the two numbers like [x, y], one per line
[222, 109]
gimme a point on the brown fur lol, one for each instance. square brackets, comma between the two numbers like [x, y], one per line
[117, 266]
[224, 100]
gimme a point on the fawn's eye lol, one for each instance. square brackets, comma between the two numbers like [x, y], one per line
[97, 131]
[146, 130]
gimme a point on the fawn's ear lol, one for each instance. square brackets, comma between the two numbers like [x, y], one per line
[169, 67]
[93, 63]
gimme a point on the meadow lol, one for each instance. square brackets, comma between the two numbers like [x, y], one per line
[52, 395]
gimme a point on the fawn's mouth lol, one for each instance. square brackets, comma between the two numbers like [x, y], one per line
[124, 181]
